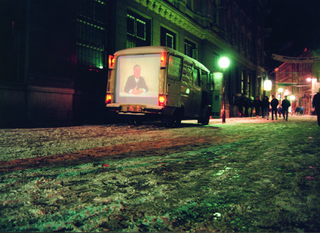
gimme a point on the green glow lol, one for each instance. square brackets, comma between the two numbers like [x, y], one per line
[224, 62]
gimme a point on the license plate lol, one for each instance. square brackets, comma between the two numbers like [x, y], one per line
[131, 108]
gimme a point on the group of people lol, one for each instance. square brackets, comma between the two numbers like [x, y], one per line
[299, 110]
[276, 107]
[263, 107]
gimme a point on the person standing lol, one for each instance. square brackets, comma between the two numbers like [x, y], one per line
[279, 110]
[316, 105]
[265, 107]
[285, 106]
[239, 104]
[274, 105]
[246, 105]
[251, 105]
[257, 106]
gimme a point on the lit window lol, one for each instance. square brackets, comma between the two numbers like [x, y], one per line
[168, 38]
[138, 30]
[190, 49]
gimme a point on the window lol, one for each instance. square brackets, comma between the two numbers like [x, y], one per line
[91, 34]
[92, 9]
[170, 1]
[138, 30]
[90, 48]
[196, 77]
[141, 29]
[190, 49]
[242, 82]
[248, 85]
[174, 68]
[190, 4]
[168, 38]
[90, 56]
[204, 77]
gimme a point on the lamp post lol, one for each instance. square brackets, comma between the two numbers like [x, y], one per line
[224, 63]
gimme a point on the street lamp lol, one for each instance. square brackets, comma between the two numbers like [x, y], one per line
[267, 85]
[224, 63]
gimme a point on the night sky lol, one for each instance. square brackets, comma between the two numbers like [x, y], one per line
[295, 25]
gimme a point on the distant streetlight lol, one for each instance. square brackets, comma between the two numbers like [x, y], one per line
[224, 63]
[267, 85]
[309, 79]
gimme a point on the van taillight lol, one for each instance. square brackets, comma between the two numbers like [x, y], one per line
[163, 59]
[162, 99]
[111, 61]
[108, 98]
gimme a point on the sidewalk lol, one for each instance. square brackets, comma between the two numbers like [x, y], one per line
[258, 120]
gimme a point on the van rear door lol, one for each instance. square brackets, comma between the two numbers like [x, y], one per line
[174, 81]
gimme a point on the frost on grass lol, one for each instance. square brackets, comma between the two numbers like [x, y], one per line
[249, 181]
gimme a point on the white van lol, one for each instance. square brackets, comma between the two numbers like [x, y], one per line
[156, 82]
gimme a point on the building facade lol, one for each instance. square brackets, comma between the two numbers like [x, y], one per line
[298, 78]
[53, 67]
[204, 30]
[54, 64]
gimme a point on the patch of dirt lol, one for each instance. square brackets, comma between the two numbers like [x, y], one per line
[160, 146]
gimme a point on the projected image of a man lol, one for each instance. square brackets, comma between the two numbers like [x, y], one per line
[135, 83]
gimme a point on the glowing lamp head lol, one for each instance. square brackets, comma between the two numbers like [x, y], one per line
[280, 90]
[309, 79]
[267, 85]
[224, 62]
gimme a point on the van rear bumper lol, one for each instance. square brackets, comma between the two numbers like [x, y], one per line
[135, 109]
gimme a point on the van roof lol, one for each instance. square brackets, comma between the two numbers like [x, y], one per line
[158, 49]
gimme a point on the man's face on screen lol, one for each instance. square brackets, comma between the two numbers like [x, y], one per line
[136, 72]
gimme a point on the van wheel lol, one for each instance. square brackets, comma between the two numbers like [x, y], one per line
[175, 120]
[206, 118]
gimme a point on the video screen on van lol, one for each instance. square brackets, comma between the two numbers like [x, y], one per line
[137, 79]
